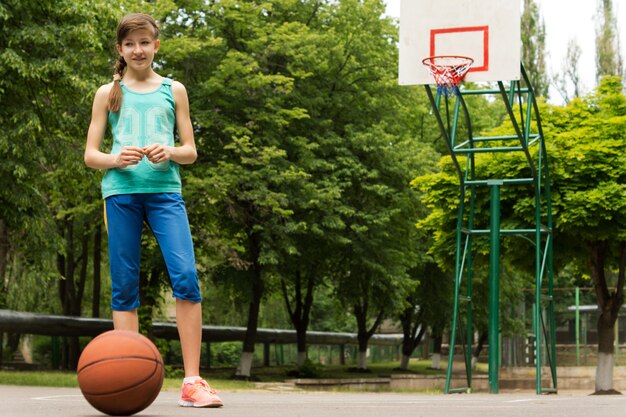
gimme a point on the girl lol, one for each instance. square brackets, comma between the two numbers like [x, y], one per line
[142, 184]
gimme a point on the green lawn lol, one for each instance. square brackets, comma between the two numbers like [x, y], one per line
[223, 378]
[68, 379]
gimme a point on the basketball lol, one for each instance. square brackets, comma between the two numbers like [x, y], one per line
[120, 372]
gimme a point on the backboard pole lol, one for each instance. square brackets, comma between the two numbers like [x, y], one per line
[494, 287]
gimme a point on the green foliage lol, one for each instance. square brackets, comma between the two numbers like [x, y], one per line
[306, 148]
[608, 57]
[586, 151]
[588, 171]
[328, 314]
[306, 144]
[534, 48]
[225, 355]
[48, 52]
[309, 369]
[174, 372]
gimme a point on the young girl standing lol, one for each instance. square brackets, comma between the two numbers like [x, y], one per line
[142, 184]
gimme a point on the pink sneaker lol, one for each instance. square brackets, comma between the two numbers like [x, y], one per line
[199, 394]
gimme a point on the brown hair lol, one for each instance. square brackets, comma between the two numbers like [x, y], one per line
[128, 24]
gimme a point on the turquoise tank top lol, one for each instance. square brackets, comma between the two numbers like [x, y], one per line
[143, 119]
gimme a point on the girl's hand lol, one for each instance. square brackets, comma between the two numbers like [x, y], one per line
[130, 155]
[157, 153]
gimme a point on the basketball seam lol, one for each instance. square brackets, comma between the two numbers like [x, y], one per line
[150, 346]
[90, 364]
[134, 386]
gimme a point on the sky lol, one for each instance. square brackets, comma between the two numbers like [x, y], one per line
[564, 20]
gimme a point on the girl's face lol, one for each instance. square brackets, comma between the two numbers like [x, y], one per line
[138, 49]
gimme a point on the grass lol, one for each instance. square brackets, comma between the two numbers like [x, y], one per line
[69, 380]
[39, 378]
[222, 379]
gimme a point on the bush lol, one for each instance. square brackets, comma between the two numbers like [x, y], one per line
[225, 354]
[174, 372]
[309, 369]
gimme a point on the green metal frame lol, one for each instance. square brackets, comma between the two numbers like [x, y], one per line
[521, 107]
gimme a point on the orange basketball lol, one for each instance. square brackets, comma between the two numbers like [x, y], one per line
[120, 372]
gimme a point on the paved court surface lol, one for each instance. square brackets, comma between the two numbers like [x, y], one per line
[68, 402]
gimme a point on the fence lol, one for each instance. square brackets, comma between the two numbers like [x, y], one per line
[57, 326]
[576, 331]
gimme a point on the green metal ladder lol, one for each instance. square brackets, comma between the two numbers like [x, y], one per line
[450, 111]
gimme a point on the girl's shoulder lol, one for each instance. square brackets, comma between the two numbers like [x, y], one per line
[177, 86]
[105, 89]
[179, 92]
[101, 97]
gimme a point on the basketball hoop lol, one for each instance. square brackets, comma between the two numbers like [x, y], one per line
[448, 71]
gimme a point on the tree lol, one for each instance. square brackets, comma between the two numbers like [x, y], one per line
[376, 157]
[254, 161]
[374, 280]
[47, 74]
[608, 58]
[427, 306]
[589, 179]
[295, 113]
[533, 48]
[568, 82]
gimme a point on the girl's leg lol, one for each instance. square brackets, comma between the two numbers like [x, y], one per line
[126, 320]
[189, 323]
[167, 217]
[124, 215]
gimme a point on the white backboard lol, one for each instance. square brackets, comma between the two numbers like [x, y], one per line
[487, 31]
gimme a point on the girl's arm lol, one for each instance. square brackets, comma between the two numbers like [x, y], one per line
[94, 158]
[185, 153]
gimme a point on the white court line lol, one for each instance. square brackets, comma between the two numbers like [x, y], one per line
[73, 397]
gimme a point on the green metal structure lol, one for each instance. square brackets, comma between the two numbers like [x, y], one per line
[454, 119]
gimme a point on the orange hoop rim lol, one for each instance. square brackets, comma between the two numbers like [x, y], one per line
[429, 61]
[449, 71]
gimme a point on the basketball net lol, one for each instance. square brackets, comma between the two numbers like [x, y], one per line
[448, 71]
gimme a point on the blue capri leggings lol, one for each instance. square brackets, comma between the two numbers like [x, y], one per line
[166, 215]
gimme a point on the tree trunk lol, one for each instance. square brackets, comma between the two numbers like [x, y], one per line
[606, 342]
[604, 373]
[361, 359]
[71, 291]
[76, 299]
[245, 365]
[301, 358]
[300, 311]
[609, 304]
[4, 258]
[361, 319]
[97, 278]
[404, 362]
[245, 362]
[253, 315]
[82, 279]
[65, 266]
[436, 357]
[149, 284]
[479, 347]
[409, 343]
[413, 332]
[364, 334]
